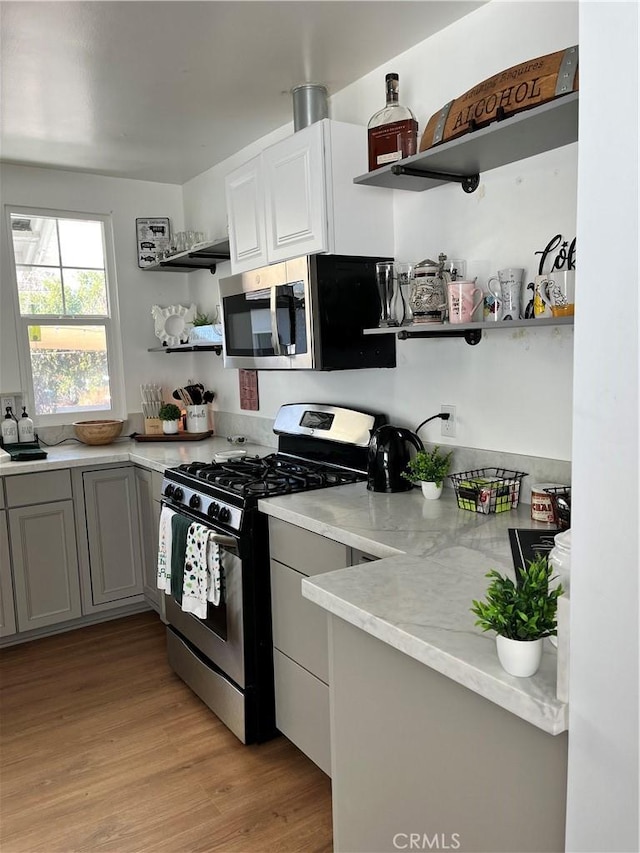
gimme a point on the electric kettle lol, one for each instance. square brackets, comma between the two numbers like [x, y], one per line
[388, 456]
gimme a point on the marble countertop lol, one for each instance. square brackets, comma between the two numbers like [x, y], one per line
[434, 557]
[150, 454]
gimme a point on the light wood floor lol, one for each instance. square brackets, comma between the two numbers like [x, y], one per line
[104, 749]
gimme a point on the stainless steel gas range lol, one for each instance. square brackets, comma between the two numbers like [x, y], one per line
[226, 658]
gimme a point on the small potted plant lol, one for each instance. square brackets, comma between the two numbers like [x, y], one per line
[429, 468]
[522, 614]
[170, 416]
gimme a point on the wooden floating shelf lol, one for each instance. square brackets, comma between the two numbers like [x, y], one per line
[472, 332]
[203, 256]
[217, 348]
[526, 134]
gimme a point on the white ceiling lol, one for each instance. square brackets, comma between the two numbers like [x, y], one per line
[162, 91]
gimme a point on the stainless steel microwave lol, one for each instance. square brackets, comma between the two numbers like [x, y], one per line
[307, 313]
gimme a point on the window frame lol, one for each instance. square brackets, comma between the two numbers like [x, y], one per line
[110, 321]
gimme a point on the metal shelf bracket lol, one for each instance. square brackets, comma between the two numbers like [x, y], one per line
[471, 336]
[469, 183]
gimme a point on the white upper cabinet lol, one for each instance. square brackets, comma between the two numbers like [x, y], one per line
[245, 211]
[298, 198]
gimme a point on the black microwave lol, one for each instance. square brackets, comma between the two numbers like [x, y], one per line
[305, 314]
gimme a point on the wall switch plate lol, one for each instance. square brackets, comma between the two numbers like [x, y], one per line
[448, 427]
[8, 401]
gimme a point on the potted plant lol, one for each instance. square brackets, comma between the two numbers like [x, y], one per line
[522, 614]
[170, 416]
[429, 468]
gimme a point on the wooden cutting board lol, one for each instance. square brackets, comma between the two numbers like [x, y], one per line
[179, 436]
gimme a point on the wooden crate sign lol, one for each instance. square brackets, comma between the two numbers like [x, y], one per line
[521, 87]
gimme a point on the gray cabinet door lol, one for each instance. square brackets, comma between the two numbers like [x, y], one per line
[45, 564]
[7, 612]
[149, 513]
[113, 531]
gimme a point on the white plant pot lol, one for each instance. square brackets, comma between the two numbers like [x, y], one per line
[519, 657]
[170, 427]
[431, 491]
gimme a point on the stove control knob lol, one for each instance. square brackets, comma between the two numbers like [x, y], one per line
[168, 492]
[178, 494]
[225, 514]
[214, 509]
[194, 501]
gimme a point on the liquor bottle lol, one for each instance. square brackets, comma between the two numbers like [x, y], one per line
[392, 131]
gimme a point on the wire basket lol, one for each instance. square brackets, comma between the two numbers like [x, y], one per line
[561, 503]
[487, 490]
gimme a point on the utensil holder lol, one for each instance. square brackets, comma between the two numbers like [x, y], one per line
[197, 418]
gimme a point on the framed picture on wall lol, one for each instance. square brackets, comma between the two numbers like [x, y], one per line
[153, 237]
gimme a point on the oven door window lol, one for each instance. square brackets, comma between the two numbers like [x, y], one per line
[247, 324]
[268, 322]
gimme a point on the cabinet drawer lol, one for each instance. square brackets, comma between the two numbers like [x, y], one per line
[302, 710]
[299, 625]
[307, 552]
[26, 489]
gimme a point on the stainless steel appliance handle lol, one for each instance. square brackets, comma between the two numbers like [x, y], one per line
[275, 337]
[224, 541]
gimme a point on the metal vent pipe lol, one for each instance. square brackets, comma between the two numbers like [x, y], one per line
[309, 104]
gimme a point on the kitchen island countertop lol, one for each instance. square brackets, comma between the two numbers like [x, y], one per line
[417, 597]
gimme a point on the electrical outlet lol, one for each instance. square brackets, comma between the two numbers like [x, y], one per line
[7, 401]
[448, 427]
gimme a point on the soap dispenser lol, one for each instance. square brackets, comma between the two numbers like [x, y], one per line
[9, 428]
[25, 427]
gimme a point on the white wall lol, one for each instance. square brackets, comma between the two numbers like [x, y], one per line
[603, 808]
[513, 391]
[137, 290]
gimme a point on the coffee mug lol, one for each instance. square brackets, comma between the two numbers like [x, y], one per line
[541, 305]
[461, 296]
[492, 310]
[559, 292]
[508, 290]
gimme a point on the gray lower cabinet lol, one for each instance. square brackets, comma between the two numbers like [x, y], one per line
[148, 485]
[113, 536]
[7, 611]
[300, 637]
[418, 756]
[45, 563]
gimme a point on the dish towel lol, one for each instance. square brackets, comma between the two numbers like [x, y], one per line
[201, 571]
[164, 549]
[179, 528]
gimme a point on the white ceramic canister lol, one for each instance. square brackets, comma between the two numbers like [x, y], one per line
[197, 418]
[541, 503]
[560, 558]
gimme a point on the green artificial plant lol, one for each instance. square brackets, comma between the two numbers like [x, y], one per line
[525, 610]
[429, 466]
[169, 412]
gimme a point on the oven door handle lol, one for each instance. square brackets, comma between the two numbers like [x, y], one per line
[227, 542]
[273, 306]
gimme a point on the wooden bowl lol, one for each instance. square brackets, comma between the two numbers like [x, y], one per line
[98, 432]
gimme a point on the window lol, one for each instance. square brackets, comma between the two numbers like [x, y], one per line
[66, 309]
